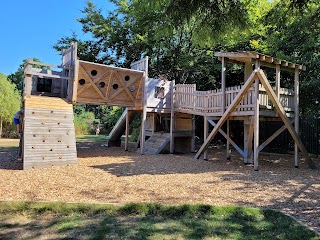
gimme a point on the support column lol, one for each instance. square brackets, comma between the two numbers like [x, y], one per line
[193, 141]
[296, 115]
[256, 122]
[228, 141]
[172, 119]
[278, 81]
[205, 135]
[247, 141]
[223, 85]
[127, 131]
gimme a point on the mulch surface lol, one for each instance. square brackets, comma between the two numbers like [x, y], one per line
[111, 175]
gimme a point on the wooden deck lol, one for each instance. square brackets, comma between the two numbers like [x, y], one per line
[209, 103]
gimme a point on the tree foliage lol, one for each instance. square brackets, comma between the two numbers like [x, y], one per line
[9, 100]
[180, 38]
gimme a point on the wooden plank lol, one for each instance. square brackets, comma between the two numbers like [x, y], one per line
[237, 54]
[126, 70]
[227, 113]
[284, 118]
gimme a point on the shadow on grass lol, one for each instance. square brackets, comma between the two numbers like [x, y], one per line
[149, 221]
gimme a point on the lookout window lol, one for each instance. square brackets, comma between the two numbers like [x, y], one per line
[159, 92]
[44, 85]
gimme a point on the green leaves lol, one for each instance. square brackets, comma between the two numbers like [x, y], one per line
[9, 99]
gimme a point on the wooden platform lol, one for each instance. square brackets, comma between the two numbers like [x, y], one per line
[48, 135]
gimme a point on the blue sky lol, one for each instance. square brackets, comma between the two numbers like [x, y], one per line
[29, 28]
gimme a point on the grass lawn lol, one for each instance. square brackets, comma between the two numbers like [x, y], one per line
[91, 138]
[28, 220]
[7, 145]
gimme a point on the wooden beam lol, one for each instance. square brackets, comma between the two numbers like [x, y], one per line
[278, 81]
[205, 135]
[227, 113]
[284, 118]
[256, 128]
[126, 143]
[296, 115]
[226, 136]
[273, 136]
[144, 108]
[223, 85]
[172, 117]
[256, 121]
[75, 81]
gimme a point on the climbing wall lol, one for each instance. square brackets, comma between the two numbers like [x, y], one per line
[48, 135]
[102, 84]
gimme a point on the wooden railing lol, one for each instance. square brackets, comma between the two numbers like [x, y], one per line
[189, 99]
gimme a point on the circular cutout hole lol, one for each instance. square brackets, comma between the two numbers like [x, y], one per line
[82, 81]
[115, 86]
[132, 88]
[43, 140]
[102, 84]
[127, 78]
[94, 72]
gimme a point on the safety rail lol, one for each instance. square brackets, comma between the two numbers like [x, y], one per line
[210, 102]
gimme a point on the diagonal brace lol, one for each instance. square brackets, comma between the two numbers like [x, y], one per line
[284, 118]
[228, 138]
[227, 113]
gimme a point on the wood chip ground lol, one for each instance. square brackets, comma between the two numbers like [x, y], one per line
[112, 175]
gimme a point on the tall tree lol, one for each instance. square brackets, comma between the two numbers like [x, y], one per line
[9, 100]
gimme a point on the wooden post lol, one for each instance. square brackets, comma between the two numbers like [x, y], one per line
[223, 85]
[193, 140]
[27, 79]
[75, 82]
[127, 131]
[296, 115]
[284, 118]
[172, 118]
[278, 81]
[246, 139]
[247, 70]
[227, 113]
[144, 107]
[228, 142]
[205, 135]
[256, 122]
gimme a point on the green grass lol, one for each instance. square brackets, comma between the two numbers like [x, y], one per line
[25, 220]
[8, 145]
[91, 138]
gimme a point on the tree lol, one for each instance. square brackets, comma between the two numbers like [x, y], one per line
[9, 100]
[18, 76]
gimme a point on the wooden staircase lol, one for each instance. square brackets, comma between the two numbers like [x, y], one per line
[156, 143]
[48, 133]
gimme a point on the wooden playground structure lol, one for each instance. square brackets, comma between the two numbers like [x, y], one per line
[168, 110]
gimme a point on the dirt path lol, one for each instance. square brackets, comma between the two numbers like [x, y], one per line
[111, 175]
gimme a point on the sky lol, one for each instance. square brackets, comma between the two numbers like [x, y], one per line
[29, 28]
